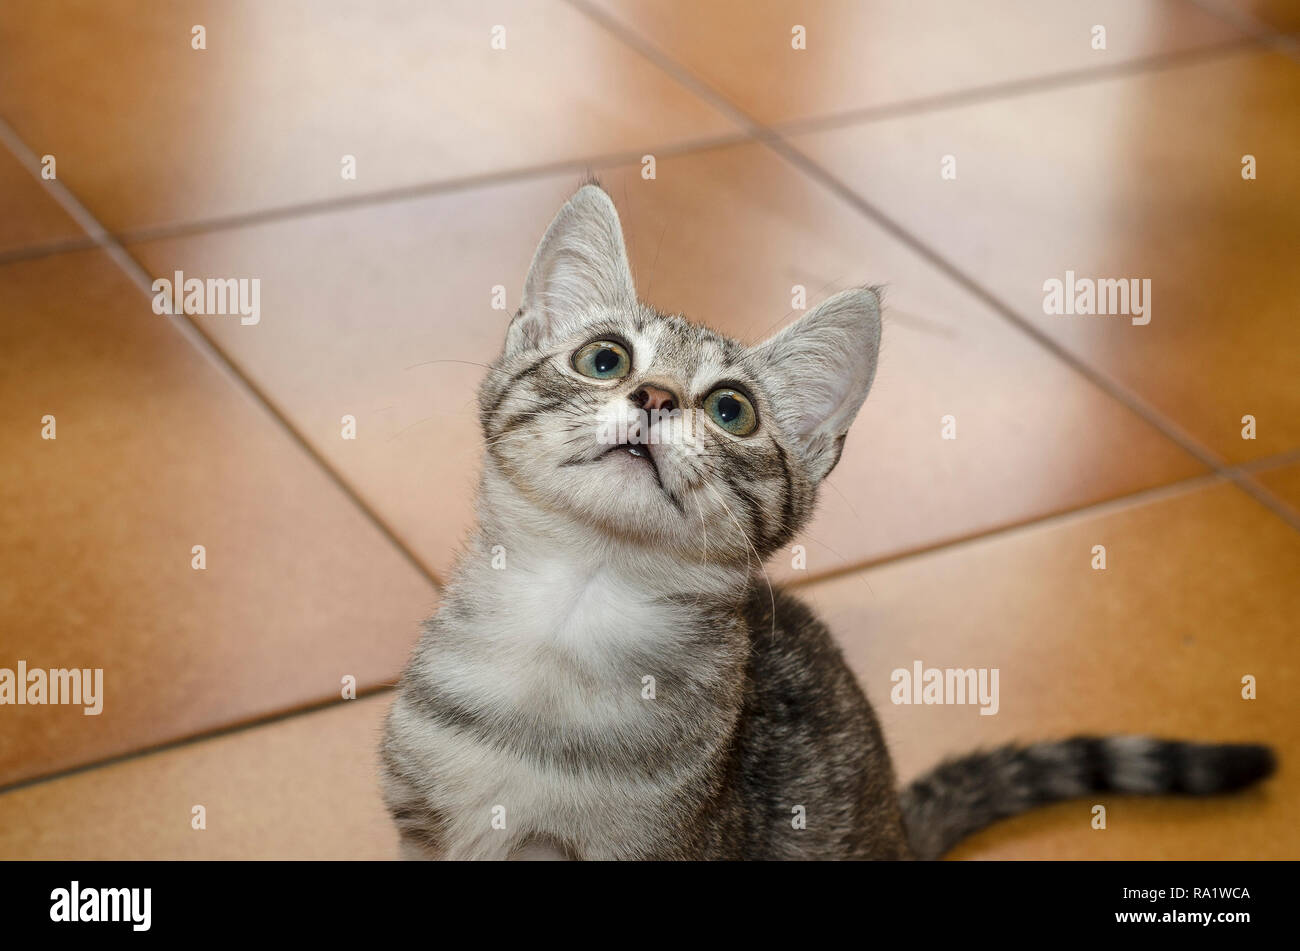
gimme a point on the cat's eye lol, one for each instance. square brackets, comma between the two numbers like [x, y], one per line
[731, 410]
[603, 360]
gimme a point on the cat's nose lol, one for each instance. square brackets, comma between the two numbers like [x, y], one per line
[652, 397]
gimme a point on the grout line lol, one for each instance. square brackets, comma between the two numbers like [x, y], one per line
[1267, 463]
[1243, 476]
[106, 242]
[1099, 509]
[46, 249]
[213, 734]
[67, 202]
[421, 190]
[674, 70]
[1115, 389]
[1269, 499]
[1014, 88]
[1240, 476]
[1258, 30]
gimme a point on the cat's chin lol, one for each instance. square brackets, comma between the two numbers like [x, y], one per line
[630, 495]
[619, 494]
[622, 496]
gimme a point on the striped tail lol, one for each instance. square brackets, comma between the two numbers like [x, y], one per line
[963, 795]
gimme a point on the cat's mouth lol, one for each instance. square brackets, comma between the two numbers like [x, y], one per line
[639, 451]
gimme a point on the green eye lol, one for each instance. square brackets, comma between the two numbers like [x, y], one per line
[732, 411]
[603, 360]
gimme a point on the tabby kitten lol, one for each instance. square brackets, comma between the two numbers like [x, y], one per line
[610, 677]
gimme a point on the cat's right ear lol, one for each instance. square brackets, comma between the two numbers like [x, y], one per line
[820, 368]
[579, 271]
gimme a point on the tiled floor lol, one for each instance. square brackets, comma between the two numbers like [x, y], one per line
[774, 168]
[28, 220]
[156, 452]
[263, 117]
[1096, 179]
[891, 53]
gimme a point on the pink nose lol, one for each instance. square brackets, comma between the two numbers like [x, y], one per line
[652, 397]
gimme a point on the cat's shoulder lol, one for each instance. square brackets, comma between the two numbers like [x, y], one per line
[781, 622]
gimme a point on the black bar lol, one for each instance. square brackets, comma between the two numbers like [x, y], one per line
[564, 901]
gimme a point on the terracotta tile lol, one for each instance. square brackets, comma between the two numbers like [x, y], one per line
[1280, 15]
[157, 452]
[1198, 591]
[1284, 482]
[29, 217]
[301, 788]
[264, 115]
[1119, 179]
[384, 313]
[865, 55]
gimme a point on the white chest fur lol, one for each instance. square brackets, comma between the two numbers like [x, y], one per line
[562, 648]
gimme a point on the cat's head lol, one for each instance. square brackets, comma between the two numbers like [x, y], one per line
[727, 469]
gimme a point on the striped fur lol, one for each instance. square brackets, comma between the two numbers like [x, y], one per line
[610, 675]
[964, 795]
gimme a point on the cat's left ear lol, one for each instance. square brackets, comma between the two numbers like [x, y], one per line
[580, 269]
[821, 367]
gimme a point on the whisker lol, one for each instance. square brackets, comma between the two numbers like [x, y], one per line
[770, 593]
[472, 363]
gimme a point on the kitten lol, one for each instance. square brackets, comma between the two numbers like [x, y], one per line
[610, 677]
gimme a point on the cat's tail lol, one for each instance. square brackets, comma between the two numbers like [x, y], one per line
[963, 795]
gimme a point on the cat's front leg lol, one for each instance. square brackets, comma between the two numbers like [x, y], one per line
[416, 848]
[421, 828]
